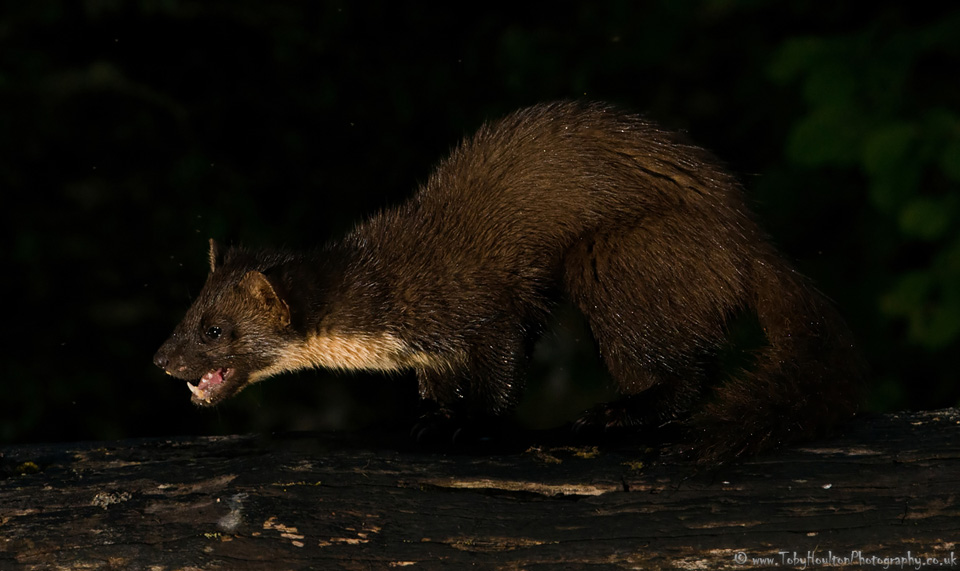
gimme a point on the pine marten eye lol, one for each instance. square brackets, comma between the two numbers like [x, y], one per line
[214, 332]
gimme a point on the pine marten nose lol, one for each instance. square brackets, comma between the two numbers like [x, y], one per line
[161, 360]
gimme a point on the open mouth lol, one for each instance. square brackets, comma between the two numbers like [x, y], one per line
[210, 384]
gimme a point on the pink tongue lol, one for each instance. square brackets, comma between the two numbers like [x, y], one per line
[212, 378]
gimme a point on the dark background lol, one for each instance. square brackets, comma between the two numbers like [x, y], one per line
[130, 132]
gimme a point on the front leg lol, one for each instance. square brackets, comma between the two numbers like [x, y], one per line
[465, 403]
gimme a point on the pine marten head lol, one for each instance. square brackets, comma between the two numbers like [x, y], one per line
[233, 332]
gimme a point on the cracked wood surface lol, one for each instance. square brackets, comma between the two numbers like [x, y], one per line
[888, 487]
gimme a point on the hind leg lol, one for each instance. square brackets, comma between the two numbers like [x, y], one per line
[656, 303]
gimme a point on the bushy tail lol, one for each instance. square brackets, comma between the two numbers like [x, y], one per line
[804, 382]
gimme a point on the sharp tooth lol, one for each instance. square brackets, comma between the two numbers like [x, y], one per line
[195, 390]
[208, 376]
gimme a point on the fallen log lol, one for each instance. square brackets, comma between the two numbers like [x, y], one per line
[887, 491]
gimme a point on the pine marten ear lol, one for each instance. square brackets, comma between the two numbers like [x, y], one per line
[215, 252]
[259, 287]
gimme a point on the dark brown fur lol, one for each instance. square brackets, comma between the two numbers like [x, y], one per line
[645, 233]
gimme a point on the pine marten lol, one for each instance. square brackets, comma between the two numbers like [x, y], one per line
[643, 232]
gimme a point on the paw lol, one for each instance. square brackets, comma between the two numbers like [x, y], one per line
[444, 430]
[436, 428]
[607, 418]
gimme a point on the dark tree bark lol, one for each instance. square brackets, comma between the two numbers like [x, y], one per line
[888, 487]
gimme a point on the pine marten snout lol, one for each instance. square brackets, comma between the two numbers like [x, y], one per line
[645, 233]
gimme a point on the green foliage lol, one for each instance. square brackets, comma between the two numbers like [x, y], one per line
[867, 113]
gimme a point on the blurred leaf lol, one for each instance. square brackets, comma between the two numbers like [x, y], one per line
[885, 149]
[907, 294]
[888, 193]
[929, 300]
[950, 161]
[949, 261]
[942, 326]
[928, 218]
[795, 57]
[832, 85]
[828, 136]
[888, 157]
